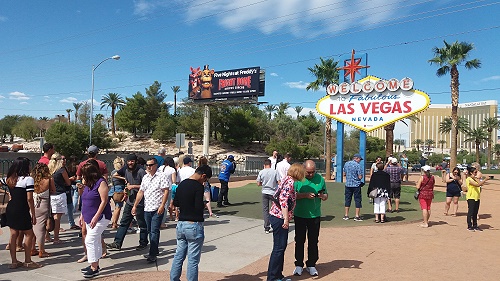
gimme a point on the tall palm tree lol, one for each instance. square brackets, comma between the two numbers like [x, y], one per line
[448, 59]
[298, 109]
[490, 124]
[115, 101]
[418, 143]
[429, 143]
[69, 110]
[270, 108]
[282, 108]
[77, 106]
[446, 125]
[389, 134]
[176, 90]
[477, 135]
[442, 143]
[398, 143]
[326, 73]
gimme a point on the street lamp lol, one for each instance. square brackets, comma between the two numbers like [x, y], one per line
[115, 57]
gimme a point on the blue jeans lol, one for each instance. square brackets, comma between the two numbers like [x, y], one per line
[70, 213]
[349, 192]
[153, 221]
[74, 189]
[125, 223]
[190, 236]
[280, 241]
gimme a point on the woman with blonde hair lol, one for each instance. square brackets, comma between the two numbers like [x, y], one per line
[44, 186]
[118, 185]
[280, 214]
[59, 201]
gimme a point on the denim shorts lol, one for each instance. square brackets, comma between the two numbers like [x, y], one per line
[349, 193]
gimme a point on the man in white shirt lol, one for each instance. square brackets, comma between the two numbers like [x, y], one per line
[283, 166]
[186, 171]
[273, 159]
[154, 189]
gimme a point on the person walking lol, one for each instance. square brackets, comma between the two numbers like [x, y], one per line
[381, 181]
[453, 191]
[189, 230]
[307, 217]
[19, 208]
[59, 201]
[280, 214]
[118, 185]
[268, 179]
[353, 174]
[96, 214]
[425, 185]
[226, 169]
[473, 197]
[154, 190]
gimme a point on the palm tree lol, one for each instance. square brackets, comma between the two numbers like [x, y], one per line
[429, 143]
[462, 126]
[326, 73]
[448, 59]
[114, 101]
[176, 90]
[496, 148]
[270, 108]
[490, 124]
[442, 143]
[77, 106]
[298, 109]
[389, 134]
[69, 110]
[418, 143]
[477, 136]
[282, 108]
[398, 142]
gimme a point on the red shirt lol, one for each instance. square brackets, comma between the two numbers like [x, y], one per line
[44, 160]
[102, 167]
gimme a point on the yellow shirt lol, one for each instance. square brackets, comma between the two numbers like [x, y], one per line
[472, 191]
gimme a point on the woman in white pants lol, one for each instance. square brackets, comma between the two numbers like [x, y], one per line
[381, 181]
[96, 214]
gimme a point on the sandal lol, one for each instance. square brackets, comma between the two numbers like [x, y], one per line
[83, 259]
[15, 265]
[34, 253]
[377, 221]
[32, 265]
[43, 255]
[19, 249]
[104, 255]
[382, 221]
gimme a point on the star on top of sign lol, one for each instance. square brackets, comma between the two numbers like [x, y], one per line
[352, 67]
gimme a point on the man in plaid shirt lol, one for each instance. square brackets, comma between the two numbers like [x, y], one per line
[353, 173]
[395, 171]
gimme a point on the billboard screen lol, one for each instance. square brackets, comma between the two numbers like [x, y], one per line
[210, 85]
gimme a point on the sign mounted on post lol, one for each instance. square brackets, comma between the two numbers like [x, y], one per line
[372, 103]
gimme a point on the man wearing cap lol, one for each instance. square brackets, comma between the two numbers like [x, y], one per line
[226, 169]
[48, 150]
[160, 158]
[186, 171]
[395, 171]
[132, 174]
[353, 173]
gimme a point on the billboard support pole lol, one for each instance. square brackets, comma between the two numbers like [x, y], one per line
[206, 130]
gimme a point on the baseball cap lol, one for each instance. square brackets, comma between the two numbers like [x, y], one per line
[93, 149]
[230, 157]
[394, 160]
[358, 156]
[426, 168]
[186, 160]
[131, 157]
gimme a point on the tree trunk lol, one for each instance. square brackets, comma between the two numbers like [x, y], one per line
[113, 121]
[478, 159]
[488, 153]
[389, 139]
[328, 129]
[454, 115]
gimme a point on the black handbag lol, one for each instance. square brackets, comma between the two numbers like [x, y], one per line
[3, 216]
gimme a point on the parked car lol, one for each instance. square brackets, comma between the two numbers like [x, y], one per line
[416, 168]
[495, 167]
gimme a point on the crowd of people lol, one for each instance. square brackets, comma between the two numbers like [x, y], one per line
[143, 192]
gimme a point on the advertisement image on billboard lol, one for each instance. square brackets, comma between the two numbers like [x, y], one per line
[209, 85]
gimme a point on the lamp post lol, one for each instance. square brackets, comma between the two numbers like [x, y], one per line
[115, 57]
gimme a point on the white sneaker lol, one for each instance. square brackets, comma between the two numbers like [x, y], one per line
[312, 270]
[297, 271]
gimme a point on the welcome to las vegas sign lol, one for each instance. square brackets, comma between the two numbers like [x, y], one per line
[372, 102]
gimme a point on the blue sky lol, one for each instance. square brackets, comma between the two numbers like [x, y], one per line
[48, 47]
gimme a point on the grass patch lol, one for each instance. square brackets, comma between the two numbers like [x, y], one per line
[247, 202]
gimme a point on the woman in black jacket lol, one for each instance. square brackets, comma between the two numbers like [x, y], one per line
[381, 181]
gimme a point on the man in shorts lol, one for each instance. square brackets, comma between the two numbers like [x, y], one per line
[395, 171]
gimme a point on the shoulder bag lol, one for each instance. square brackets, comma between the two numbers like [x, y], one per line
[373, 193]
[417, 193]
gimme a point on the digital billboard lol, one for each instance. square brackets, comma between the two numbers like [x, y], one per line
[209, 85]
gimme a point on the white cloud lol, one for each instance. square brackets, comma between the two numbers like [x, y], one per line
[68, 100]
[23, 102]
[274, 74]
[302, 18]
[145, 7]
[18, 96]
[2, 97]
[491, 78]
[296, 85]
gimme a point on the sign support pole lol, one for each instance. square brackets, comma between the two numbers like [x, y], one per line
[339, 160]
[206, 129]
[362, 151]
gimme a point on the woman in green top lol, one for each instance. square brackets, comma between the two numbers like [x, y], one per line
[473, 195]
